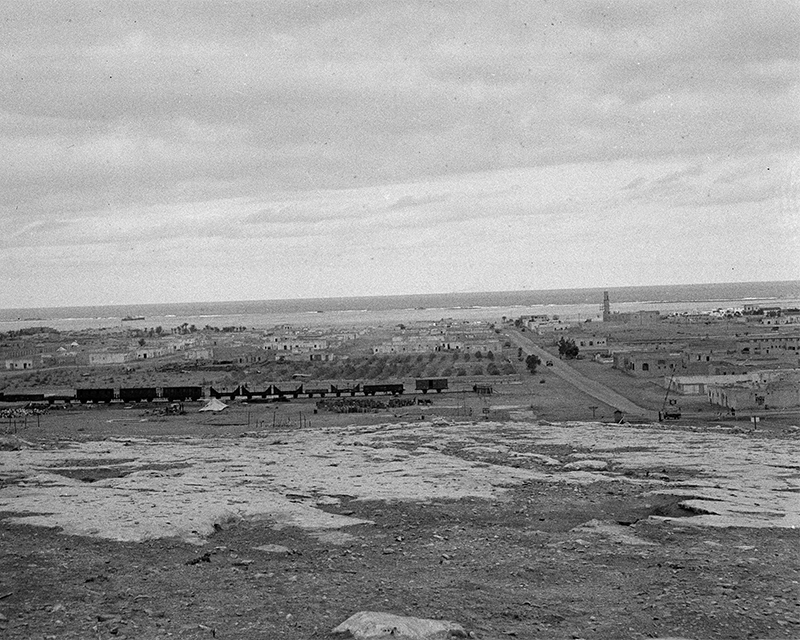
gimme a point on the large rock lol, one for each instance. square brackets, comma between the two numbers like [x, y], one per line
[376, 625]
[12, 443]
[587, 465]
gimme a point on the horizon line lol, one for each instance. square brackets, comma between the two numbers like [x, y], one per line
[402, 295]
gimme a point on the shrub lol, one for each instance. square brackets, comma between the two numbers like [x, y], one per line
[531, 362]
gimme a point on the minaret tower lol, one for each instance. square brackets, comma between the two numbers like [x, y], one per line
[606, 307]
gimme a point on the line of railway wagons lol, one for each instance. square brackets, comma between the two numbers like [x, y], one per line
[111, 394]
[304, 390]
[187, 393]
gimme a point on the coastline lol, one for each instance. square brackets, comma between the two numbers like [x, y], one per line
[580, 304]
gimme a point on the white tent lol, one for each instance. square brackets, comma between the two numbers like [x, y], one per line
[215, 405]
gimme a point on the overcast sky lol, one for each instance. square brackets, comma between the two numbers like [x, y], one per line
[182, 151]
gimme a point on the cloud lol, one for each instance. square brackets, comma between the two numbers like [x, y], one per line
[293, 122]
[404, 202]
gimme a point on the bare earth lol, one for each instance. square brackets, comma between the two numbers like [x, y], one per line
[122, 523]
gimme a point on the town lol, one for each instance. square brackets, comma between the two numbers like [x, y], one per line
[711, 364]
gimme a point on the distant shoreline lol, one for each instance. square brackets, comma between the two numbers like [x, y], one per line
[582, 304]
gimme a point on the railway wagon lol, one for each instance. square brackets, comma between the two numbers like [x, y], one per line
[268, 394]
[137, 394]
[338, 391]
[431, 384]
[281, 393]
[394, 389]
[180, 394]
[251, 393]
[94, 395]
[62, 398]
[223, 393]
[316, 391]
[22, 397]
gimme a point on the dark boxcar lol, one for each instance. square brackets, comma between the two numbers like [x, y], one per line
[94, 395]
[394, 389]
[23, 397]
[177, 394]
[137, 394]
[431, 384]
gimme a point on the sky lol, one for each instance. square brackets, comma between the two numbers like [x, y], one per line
[245, 150]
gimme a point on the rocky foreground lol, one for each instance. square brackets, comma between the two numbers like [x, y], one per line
[507, 529]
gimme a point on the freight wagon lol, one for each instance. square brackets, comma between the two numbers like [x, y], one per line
[319, 391]
[22, 397]
[137, 394]
[295, 393]
[431, 384]
[372, 389]
[94, 395]
[231, 394]
[249, 394]
[181, 394]
[346, 390]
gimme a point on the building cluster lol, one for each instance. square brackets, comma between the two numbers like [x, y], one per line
[744, 359]
[112, 350]
[443, 335]
[630, 317]
[283, 344]
[753, 368]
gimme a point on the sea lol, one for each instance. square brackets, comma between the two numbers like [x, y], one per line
[568, 304]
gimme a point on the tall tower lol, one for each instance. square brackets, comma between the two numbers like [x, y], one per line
[606, 307]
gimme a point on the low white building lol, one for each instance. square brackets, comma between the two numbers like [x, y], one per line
[96, 358]
[589, 342]
[551, 326]
[148, 353]
[296, 345]
[700, 384]
[19, 364]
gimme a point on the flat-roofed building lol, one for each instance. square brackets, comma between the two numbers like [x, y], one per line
[782, 393]
[768, 343]
[648, 363]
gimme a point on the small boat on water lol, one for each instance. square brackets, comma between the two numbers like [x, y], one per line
[131, 318]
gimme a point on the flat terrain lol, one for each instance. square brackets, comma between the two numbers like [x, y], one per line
[272, 521]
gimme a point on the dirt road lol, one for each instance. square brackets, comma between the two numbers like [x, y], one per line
[590, 387]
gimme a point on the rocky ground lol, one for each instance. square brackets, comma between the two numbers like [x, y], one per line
[524, 529]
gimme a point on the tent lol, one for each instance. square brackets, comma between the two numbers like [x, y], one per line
[214, 405]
